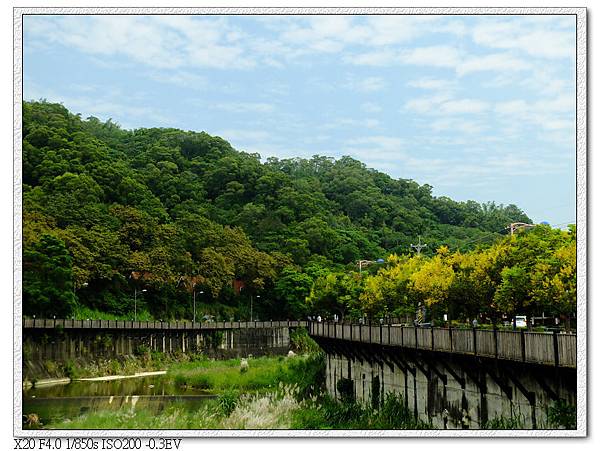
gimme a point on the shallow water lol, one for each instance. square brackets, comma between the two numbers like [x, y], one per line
[59, 402]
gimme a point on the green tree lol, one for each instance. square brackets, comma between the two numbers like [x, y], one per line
[47, 279]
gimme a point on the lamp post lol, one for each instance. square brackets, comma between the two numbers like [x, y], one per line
[75, 287]
[201, 292]
[135, 302]
[251, 306]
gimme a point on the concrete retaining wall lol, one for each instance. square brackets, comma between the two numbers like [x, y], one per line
[452, 392]
[65, 344]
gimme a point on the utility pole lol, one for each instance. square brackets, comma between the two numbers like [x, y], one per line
[419, 246]
[514, 226]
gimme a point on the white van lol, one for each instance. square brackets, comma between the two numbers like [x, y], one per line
[520, 321]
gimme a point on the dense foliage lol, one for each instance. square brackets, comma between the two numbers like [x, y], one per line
[111, 212]
[528, 273]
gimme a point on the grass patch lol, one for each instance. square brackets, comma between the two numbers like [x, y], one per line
[327, 413]
[263, 373]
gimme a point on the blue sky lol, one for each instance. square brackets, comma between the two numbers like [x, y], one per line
[479, 107]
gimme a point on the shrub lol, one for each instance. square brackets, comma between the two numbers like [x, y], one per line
[561, 414]
[345, 387]
[301, 342]
[227, 401]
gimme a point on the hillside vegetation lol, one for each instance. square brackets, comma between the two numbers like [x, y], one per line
[109, 212]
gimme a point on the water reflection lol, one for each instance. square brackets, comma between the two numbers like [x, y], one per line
[60, 402]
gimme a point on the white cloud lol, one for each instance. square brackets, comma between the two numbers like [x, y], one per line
[463, 106]
[372, 58]
[539, 39]
[444, 103]
[426, 104]
[243, 135]
[353, 123]
[495, 62]
[105, 104]
[554, 113]
[369, 84]
[162, 42]
[244, 107]
[370, 107]
[182, 78]
[431, 83]
[468, 127]
[434, 56]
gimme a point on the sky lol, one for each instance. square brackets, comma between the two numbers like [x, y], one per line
[479, 107]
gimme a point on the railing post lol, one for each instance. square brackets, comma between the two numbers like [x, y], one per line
[432, 346]
[380, 333]
[474, 341]
[450, 336]
[402, 335]
[360, 332]
[416, 338]
[495, 342]
[389, 334]
[555, 343]
[523, 345]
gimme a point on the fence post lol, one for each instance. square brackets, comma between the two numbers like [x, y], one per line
[389, 334]
[360, 332]
[402, 335]
[555, 343]
[380, 333]
[351, 331]
[474, 341]
[523, 345]
[432, 346]
[416, 338]
[495, 342]
[450, 336]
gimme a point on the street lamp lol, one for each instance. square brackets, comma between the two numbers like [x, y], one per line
[201, 292]
[135, 302]
[257, 297]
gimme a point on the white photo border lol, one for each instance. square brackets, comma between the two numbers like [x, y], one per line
[581, 179]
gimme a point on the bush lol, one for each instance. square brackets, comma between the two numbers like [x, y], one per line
[345, 387]
[301, 342]
[227, 401]
[561, 414]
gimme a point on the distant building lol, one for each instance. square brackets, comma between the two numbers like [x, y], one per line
[237, 286]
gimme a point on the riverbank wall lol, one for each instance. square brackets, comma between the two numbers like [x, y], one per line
[44, 348]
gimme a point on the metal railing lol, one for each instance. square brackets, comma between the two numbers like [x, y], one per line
[546, 348]
[45, 323]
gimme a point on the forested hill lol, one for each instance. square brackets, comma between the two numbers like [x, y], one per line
[178, 209]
